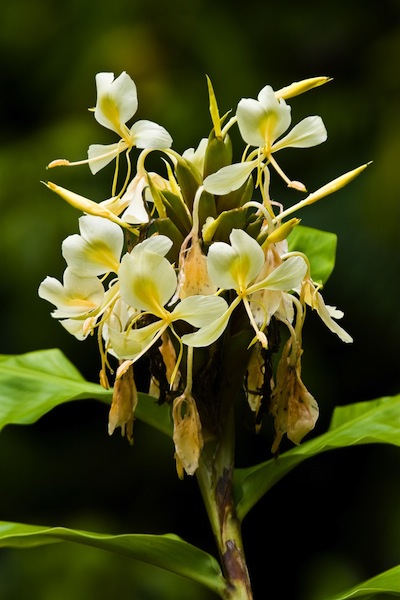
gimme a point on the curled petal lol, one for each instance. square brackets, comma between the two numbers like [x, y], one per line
[327, 313]
[135, 211]
[116, 100]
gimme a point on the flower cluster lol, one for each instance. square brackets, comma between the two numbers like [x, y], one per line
[184, 265]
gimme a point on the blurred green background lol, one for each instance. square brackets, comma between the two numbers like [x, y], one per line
[336, 519]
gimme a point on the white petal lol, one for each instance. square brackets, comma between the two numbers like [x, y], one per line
[251, 255]
[309, 132]
[75, 328]
[234, 267]
[196, 156]
[146, 134]
[220, 258]
[116, 100]
[100, 155]
[77, 296]
[97, 251]
[147, 281]
[229, 178]
[200, 310]
[160, 244]
[250, 119]
[135, 212]
[277, 112]
[325, 314]
[130, 345]
[285, 277]
[209, 334]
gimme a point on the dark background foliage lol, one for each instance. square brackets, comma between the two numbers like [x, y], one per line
[336, 519]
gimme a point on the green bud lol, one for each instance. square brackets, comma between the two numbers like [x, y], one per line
[218, 154]
[177, 211]
[207, 208]
[221, 227]
[189, 180]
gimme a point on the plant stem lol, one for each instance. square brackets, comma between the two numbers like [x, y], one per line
[215, 476]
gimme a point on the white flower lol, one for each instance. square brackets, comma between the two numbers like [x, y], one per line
[116, 104]
[261, 122]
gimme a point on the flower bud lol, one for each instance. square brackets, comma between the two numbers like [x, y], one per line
[299, 87]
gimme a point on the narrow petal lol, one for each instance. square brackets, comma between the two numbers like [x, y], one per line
[309, 132]
[229, 178]
[326, 312]
[287, 276]
[147, 281]
[100, 155]
[200, 310]
[146, 134]
[210, 333]
[116, 100]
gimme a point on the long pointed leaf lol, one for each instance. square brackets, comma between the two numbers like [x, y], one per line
[384, 583]
[168, 552]
[375, 421]
[34, 383]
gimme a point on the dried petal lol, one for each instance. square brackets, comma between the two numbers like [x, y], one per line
[123, 405]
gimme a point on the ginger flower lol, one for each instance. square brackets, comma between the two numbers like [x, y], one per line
[116, 104]
[261, 123]
[236, 266]
[147, 282]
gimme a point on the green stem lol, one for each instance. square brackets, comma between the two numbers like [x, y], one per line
[215, 474]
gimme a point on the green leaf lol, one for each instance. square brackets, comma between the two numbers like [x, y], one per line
[385, 583]
[375, 421]
[32, 384]
[168, 552]
[320, 248]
